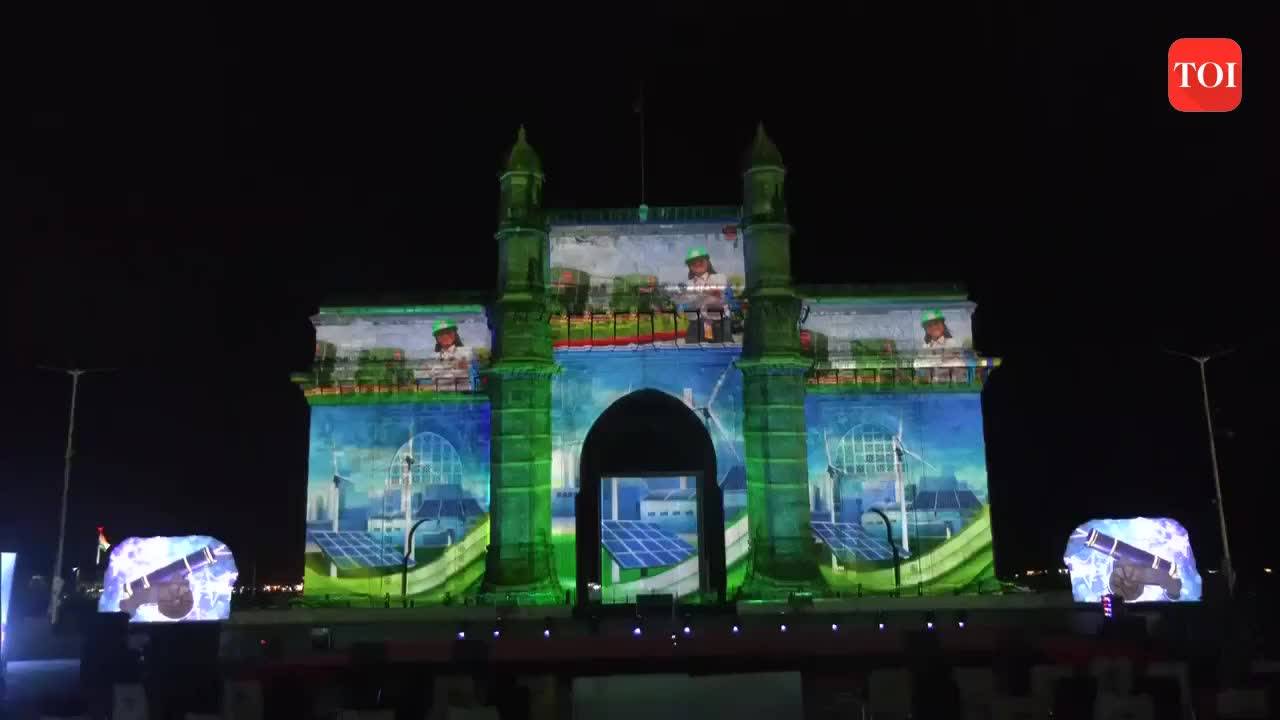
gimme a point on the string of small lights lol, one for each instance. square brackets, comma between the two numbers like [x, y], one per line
[687, 628]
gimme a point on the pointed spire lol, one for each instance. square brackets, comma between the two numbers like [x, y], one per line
[523, 158]
[763, 152]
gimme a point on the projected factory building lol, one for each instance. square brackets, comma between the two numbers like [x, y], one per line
[647, 404]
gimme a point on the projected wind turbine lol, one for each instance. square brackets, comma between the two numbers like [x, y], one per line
[833, 473]
[406, 492]
[710, 416]
[335, 495]
[899, 449]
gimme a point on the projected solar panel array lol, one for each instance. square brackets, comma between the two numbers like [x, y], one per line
[466, 508]
[946, 500]
[356, 550]
[683, 494]
[635, 544]
[850, 542]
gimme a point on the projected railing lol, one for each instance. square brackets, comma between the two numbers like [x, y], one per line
[614, 329]
[900, 377]
[436, 385]
[903, 371]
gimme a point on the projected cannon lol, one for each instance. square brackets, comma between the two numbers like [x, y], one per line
[1134, 568]
[163, 579]
[1138, 559]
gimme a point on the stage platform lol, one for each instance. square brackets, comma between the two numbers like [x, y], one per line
[440, 613]
[631, 639]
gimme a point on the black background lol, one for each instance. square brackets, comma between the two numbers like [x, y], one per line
[190, 183]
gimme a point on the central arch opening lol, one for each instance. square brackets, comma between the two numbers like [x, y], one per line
[649, 433]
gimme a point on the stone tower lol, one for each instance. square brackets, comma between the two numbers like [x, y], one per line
[519, 387]
[773, 372]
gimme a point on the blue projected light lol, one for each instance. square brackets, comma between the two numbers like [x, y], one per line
[635, 544]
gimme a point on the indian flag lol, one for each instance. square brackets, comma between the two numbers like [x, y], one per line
[103, 545]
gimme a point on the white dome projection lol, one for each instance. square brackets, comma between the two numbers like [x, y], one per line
[426, 459]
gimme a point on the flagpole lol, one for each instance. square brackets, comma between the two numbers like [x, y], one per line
[102, 545]
[640, 111]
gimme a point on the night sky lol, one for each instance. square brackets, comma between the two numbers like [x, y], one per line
[189, 185]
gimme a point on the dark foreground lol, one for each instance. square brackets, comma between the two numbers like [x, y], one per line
[940, 660]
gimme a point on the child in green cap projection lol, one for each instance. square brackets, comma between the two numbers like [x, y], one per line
[936, 334]
[705, 285]
[704, 292]
[449, 345]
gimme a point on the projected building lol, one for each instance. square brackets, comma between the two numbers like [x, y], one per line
[647, 402]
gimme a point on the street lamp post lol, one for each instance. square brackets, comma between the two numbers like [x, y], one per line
[55, 580]
[1201, 360]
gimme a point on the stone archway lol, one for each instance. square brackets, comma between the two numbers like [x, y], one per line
[649, 432]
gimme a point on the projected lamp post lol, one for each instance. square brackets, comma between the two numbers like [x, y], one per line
[55, 580]
[1202, 360]
[408, 558]
[893, 548]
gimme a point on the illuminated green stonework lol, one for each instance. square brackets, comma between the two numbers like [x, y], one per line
[520, 557]
[781, 555]
[520, 554]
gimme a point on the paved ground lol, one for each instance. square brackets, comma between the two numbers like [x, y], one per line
[33, 686]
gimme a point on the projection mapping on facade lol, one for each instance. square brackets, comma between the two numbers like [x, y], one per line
[828, 414]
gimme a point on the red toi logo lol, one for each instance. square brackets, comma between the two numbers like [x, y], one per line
[1205, 74]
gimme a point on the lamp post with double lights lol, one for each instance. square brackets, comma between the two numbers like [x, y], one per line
[1201, 360]
[55, 580]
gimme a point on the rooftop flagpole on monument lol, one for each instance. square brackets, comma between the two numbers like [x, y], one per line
[638, 108]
